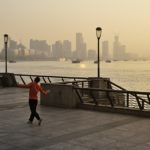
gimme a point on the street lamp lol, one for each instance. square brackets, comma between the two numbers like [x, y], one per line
[98, 34]
[5, 42]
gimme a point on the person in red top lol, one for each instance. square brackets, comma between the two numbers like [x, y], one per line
[34, 88]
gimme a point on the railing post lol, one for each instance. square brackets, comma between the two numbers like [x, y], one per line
[62, 79]
[127, 99]
[94, 99]
[82, 88]
[31, 78]
[44, 79]
[109, 98]
[143, 105]
[22, 80]
[78, 93]
[49, 80]
[139, 104]
[148, 98]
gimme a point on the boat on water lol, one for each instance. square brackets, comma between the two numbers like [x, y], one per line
[95, 62]
[108, 61]
[12, 61]
[76, 61]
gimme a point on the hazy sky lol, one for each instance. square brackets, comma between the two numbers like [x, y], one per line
[60, 19]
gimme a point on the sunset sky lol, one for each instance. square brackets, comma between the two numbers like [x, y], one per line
[60, 20]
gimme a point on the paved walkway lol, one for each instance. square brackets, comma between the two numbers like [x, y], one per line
[67, 129]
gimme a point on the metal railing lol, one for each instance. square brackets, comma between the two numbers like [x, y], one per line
[25, 78]
[115, 95]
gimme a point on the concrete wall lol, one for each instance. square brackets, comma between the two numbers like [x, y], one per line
[0, 80]
[60, 96]
[98, 83]
[102, 97]
[7, 79]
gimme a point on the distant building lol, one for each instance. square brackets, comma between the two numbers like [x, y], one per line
[41, 47]
[105, 50]
[119, 50]
[67, 49]
[116, 46]
[12, 44]
[132, 56]
[21, 49]
[81, 49]
[14, 49]
[91, 54]
[123, 52]
[57, 50]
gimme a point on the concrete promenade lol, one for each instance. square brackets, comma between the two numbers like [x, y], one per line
[67, 129]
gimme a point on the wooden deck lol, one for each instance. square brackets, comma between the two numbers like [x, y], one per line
[67, 129]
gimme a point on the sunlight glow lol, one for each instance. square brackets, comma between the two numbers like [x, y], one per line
[82, 66]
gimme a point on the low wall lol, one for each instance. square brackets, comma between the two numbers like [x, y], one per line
[98, 83]
[103, 97]
[7, 80]
[60, 96]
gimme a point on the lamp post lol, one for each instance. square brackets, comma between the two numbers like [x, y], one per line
[98, 34]
[5, 42]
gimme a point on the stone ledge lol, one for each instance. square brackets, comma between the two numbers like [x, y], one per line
[120, 110]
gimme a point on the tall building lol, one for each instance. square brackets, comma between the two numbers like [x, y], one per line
[116, 46]
[13, 49]
[123, 52]
[57, 50]
[67, 50]
[40, 46]
[81, 49]
[21, 50]
[119, 50]
[13, 45]
[105, 50]
[91, 54]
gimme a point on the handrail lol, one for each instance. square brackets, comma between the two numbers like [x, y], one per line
[81, 84]
[34, 75]
[111, 90]
[112, 83]
[133, 93]
[48, 77]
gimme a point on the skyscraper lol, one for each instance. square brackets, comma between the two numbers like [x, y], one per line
[40, 46]
[81, 49]
[119, 50]
[57, 50]
[116, 46]
[92, 54]
[67, 52]
[105, 50]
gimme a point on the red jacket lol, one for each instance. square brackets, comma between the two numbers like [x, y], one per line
[34, 89]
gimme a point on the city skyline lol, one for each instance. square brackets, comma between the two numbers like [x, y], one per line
[55, 19]
[27, 44]
[40, 49]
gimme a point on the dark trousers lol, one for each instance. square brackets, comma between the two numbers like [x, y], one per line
[33, 104]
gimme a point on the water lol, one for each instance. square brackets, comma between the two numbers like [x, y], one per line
[132, 75]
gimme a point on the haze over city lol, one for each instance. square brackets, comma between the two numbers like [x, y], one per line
[54, 20]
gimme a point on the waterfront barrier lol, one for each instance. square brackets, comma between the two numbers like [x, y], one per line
[60, 95]
[94, 93]
[25, 78]
[97, 91]
[7, 79]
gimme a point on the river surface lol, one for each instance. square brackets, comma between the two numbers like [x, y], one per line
[132, 75]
